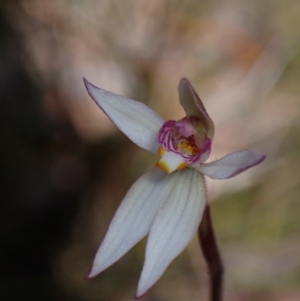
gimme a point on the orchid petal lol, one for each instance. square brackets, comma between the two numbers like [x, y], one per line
[133, 218]
[231, 165]
[174, 226]
[137, 121]
[193, 105]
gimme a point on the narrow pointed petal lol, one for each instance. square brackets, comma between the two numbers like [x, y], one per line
[231, 165]
[137, 121]
[193, 105]
[174, 226]
[133, 219]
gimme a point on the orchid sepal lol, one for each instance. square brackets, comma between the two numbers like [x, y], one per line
[132, 219]
[230, 165]
[136, 120]
[174, 226]
[193, 105]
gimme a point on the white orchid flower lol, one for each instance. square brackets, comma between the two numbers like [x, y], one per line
[167, 202]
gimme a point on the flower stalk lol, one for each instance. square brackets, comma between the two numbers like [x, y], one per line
[211, 254]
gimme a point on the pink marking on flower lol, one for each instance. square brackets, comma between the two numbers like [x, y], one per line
[186, 137]
[184, 127]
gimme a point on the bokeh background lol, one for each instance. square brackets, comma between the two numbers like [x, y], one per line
[65, 167]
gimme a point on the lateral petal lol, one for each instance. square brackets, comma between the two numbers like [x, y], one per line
[193, 105]
[174, 226]
[137, 121]
[230, 165]
[133, 219]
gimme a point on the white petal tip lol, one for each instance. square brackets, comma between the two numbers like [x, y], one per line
[254, 159]
[138, 296]
[89, 87]
[232, 164]
[92, 274]
[263, 157]
[96, 270]
[141, 292]
[86, 82]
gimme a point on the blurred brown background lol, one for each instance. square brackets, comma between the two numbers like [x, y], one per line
[65, 167]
